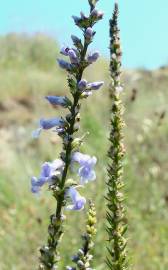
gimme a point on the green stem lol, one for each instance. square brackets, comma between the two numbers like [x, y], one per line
[117, 254]
[49, 258]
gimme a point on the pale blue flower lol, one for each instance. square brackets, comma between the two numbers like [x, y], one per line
[48, 170]
[48, 124]
[82, 85]
[92, 57]
[57, 100]
[89, 33]
[73, 56]
[95, 85]
[76, 41]
[65, 50]
[76, 19]
[78, 201]
[64, 65]
[86, 171]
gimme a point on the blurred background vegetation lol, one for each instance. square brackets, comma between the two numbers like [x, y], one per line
[28, 71]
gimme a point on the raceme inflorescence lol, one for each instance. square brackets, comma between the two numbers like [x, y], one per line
[56, 173]
[115, 214]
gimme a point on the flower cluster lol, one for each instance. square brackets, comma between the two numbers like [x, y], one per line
[52, 171]
[56, 173]
[49, 172]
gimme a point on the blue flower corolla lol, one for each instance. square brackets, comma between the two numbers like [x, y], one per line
[65, 50]
[76, 19]
[97, 14]
[48, 170]
[86, 171]
[64, 65]
[95, 85]
[46, 124]
[92, 57]
[78, 201]
[76, 40]
[82, 85]
[89, 33]
[73, 56]
[58, 100]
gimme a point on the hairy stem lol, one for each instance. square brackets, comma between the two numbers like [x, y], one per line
[116, 228]
[83, 258]
[49, 253]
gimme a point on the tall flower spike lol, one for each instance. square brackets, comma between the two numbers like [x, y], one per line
[116, 227]
[66, 129]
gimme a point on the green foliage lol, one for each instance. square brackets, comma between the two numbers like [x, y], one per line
[21, 50]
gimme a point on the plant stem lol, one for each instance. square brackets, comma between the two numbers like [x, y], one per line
[117, 256]
[49, 254]
[83, 257]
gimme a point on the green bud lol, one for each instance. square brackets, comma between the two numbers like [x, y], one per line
[80, 253]
[91, 220]
[70, 182]
[80, 264]
[77, 142]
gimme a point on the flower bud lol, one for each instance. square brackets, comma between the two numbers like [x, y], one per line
[65, 50]
[95, 85]
[86, 94]
[80, 252]
[76, 19]
[64, 65]
[96, 14]
[77, 42]
[119, 89]
[80, 264]
[77, 142]
[73, 57]
[93, 57]
[82, 85]
[89, 33]
[58, 100]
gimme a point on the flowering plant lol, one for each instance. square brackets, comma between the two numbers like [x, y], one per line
[56, 173]
[117, 257]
